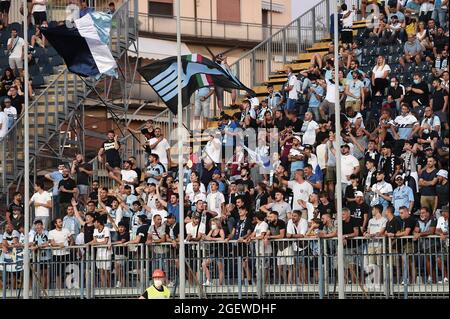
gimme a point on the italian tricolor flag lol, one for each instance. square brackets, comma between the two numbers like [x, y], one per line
[194, 58]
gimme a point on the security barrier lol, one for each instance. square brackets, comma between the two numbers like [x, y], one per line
[288, 268]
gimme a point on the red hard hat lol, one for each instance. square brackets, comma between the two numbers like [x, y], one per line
[158, 273]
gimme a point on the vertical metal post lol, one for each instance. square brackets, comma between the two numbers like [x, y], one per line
[268, 58]
[239, 273]
[4, 280]
[327, 14]
[253, 71]
[283, 46]
[313, 23]
[337, 112]
[321, 270]
[405, 276]
[180, 151]
[299, 35]
[26, 252]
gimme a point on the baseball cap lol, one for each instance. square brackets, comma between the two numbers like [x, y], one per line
[298, 138]
[7, 99]
[345, 145]
[216, 171]
[443, 173]
[399, 177]
[380, 172]
[428, 148]
[359, 194]
[196, 215]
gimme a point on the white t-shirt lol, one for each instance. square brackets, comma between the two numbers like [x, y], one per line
[194, 198]
[213, 150]
[348, 163]
[60, 237]
[80, 239]
[161, 212]
[331, 92]
[309, 136]
[41, 198]
[442, 224]
[321, 151]
[4, 124]
[301, 191]
[215, 201]
[103, 237]
[128, 175]
[383, 187]
[161, 150]
[192, 230]
[379, 72]
[348, 22]
[293, 82]
[376, 225]
[17, 45]
[261, 228]
[12, 111]
[300, 228]
[189, 189]
[39, 6]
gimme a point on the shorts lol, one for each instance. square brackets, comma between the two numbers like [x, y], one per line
[103, 259]
[330, 174]
[202, 107]
[219, 91]
[83, 189]
[291, 105]
[349, 256]
[355, 105]
[15, 63]
[39, 17]
[347, 36]
[4, 6]
[240, 250]
[328, 107]
[114, 164]
[285, 257]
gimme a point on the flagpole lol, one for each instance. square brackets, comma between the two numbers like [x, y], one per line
[182, 275]
[26, 177]
[337, 112]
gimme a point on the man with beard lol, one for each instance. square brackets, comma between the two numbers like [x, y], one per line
[389, 163]
[110, 149]
[67, 190]
[82, 170]
[360, 211]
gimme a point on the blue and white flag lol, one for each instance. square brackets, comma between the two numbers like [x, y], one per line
[84, 47]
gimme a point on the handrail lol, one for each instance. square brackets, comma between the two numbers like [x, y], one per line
[152, 15]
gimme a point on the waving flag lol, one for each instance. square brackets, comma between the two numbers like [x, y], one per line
[84, 47]
[197, 72]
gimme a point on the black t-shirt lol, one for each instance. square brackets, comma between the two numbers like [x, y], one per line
[393, 225]
[68, 184]
[358, 211]
[347, 227]
[409, 222]
[88, 233]
[112, 155]
[280, 124]
[350, 191]
[424, 96]
[249, 183]
[329, 208]
[94, 196]
[122, 250]
[397, 92]
[440, 42]
[82, 177]
[296, 126]
[428, 177]
[13, 206]
[388, 166]
[17, 102]
[442, 195]
[206, 177]
[438, 99]
[321, 136]
[142, 231]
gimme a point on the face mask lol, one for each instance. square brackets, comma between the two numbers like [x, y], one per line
[213, 227]
[393, 84]
[416, 81]
[157, 282]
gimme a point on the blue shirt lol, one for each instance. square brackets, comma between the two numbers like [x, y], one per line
[72, 224]
[314, 179]
[56, 176]
[313, 101]
[174, 210]
[402, 196]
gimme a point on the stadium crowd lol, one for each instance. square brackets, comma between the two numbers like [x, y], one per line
[394, 164]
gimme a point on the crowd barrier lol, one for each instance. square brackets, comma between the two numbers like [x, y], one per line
[288, 268]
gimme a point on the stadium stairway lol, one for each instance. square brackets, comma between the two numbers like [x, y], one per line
[278, 78]
[51, 113]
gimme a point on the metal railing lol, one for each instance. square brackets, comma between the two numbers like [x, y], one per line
[255, 66]
[205, 28]
[288, 268]
[54, 106]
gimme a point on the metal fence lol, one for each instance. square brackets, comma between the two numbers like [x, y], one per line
[205, 28]
[288, 268]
